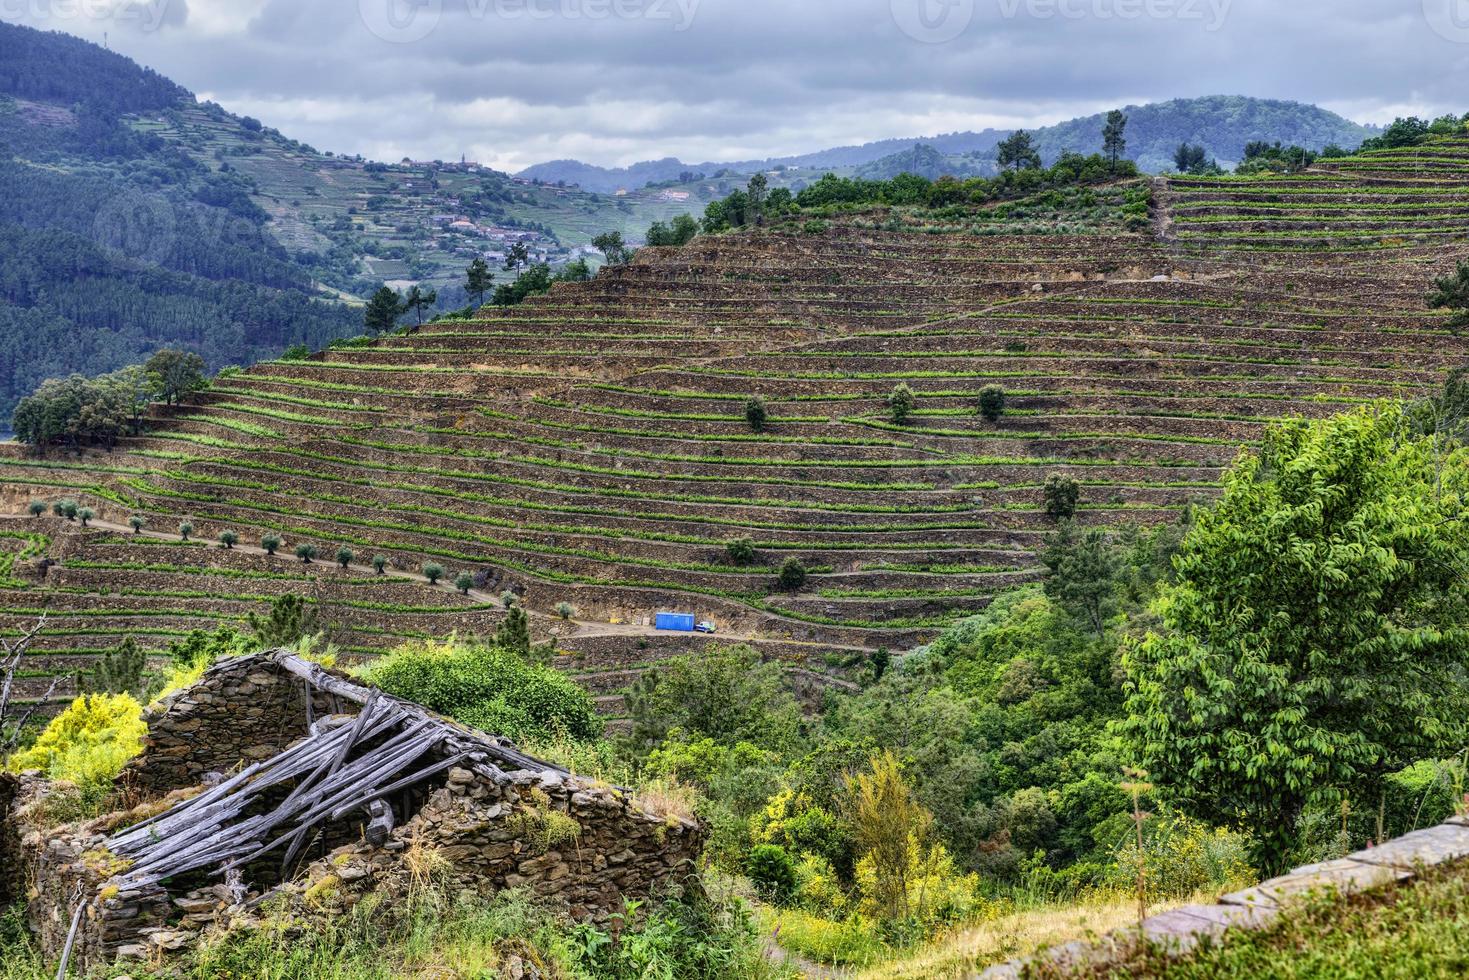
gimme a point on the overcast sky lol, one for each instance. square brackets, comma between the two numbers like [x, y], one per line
[516, 82]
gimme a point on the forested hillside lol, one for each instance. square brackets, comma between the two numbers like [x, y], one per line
[114, 244]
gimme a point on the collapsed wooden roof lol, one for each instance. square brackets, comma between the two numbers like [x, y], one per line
[344, 765]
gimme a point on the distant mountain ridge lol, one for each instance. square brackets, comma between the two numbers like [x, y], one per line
[1223, 124]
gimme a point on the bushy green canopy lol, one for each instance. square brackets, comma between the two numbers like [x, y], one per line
[1316, 638]
[492, 689]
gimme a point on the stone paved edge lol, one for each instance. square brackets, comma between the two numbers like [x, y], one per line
[1178, 931]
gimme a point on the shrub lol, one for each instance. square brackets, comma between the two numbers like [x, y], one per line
[85, 515]
[345, 557]
[120, 670]
[900, 404]
[772, 871]
[379, 564]
[792, 575]
[492, 689]
[992, 402]
[306, 552]
[271, 543]
[508, 599]
[291, 618]
[186, 529]
[433, 572]
[88, 743]
[464, 582]
[136, 523]
[1061, 495]
[565, 610]
[755, 414]
[228, 540]
[741, 551]
[37, 508]
[68, 509]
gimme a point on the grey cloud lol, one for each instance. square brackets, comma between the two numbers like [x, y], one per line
[768, 77]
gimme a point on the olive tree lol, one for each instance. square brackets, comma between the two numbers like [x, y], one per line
[433, 572]
[228, 540]
[271, 543]
[1317, 637]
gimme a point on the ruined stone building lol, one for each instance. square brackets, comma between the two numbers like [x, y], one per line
[273, 778]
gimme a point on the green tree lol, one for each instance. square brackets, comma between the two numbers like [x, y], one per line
[185, 529]
[1018, 152]
[478, 279]
[433, 571]
[36, 508]
[565, 610]
[792, 575]
[464, 582]
[345, 557]
[306, 552]
[418, 300]
[901, 403]
[755, 414]
[176, 373]
[728, 695]
[228, 540]
[757, 196]
[271, 543]
[379, 564]
[383, 311]
[291, 619]
[1452, 293]
[1114, 136]
[740, 551]
[1083, 579]
[1061, 493]
[611, 245]
[85, 514]
[992, 402]
[513, 633]
[119, 670]
[1316, 637]
[137, 523]
[517, 255]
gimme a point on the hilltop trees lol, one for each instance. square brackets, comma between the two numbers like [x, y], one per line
[176, 373]
[1114, 136]
[1315, 639]
[517, 256]
[383, 311]
[418, 300]
[680, 232]
[478, 279]
[1452, 293]
[1190, 159]
[1018, 152]
[611, 245]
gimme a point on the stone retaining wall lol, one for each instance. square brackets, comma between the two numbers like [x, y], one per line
[1177, 932]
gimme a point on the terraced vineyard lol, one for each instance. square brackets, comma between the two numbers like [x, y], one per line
[590, 447]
